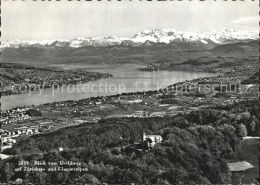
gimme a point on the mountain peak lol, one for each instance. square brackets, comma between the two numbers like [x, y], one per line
[221, 36]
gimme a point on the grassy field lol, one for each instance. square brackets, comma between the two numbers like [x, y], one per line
[249, 151]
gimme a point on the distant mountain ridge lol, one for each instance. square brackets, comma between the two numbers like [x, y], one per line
[146, 38]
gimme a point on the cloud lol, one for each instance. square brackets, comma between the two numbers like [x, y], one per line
[247, 23]
[246, 20]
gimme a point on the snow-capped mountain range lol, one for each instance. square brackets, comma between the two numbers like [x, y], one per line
[167, 36]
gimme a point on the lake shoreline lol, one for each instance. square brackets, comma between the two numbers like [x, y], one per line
[124, 93]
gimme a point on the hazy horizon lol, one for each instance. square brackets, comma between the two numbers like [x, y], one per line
[69, 20]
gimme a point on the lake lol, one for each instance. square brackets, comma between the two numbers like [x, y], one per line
[126, 78]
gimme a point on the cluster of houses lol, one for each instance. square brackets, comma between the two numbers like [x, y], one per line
[238, 70]
[14, 115]
[142, 113]
[8, 137]
[45, 125]
[89, 101]
[7, 86]
[222, 79]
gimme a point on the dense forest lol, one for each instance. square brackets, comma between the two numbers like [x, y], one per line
[194, 149]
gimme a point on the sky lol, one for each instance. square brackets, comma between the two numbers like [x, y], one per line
[48, 20]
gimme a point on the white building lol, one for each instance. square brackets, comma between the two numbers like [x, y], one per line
[152, 139]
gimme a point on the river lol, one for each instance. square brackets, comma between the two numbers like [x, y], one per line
[126, 78]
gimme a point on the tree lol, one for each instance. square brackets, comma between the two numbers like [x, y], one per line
[241, 130]
[88, 178]
[252, 127]
[33, 112]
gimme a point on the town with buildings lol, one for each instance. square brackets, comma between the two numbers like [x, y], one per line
[21, 78]
[180, 98]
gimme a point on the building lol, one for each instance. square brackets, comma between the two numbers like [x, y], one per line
[239, 166]
[152, 140]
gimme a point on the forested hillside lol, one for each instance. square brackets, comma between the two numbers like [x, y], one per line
[193, 150]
